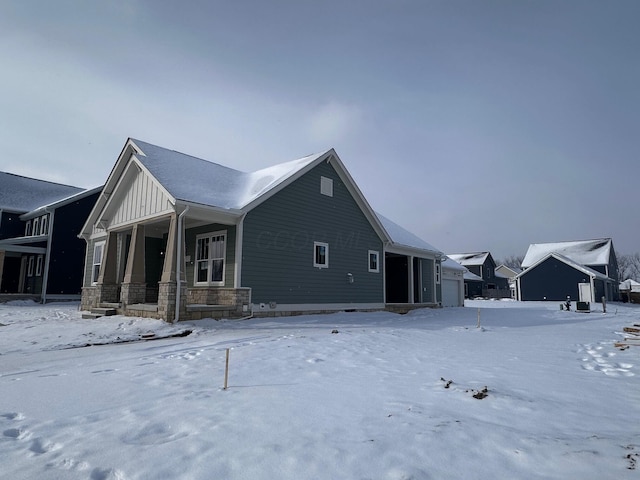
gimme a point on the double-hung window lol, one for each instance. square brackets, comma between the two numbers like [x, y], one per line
[44, 225]
[98, 250]
[27, 229]
[374, 261]
[320, 255]
[39, 263]
[36, 226]
[210, 258]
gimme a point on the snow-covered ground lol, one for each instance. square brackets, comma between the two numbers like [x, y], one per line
[368, 402]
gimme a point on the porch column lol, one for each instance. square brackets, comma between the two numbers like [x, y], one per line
[169, 266]
[168, 287]
[1, 267]
[412, 292]
[134, 286]
[107, 279]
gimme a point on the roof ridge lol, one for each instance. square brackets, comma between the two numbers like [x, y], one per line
[41, 180]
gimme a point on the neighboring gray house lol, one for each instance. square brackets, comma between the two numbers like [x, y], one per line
[41, 255]
[555, 271]
[177, 237]
[453, 276]
[485, 282]
[510, 274]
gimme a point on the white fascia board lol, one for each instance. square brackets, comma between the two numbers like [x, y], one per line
[357, 194]
[286, 182]
[412, 252]
[60, 203]
[110, 185]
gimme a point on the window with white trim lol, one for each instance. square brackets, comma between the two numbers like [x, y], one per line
[27, 229]
[98, 251]
[44, 225]
[320, 254]
[36, 226]
[210, 258]
[374, 261]
[39, 263]
[30, 267]
[437, 273]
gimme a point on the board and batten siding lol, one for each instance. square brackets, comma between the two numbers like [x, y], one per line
[230, 251]
[278, 246]
[143, 199]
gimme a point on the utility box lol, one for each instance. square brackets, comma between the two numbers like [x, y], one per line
[584, 292]
[584, 307]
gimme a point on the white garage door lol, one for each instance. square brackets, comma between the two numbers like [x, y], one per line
[451, 293]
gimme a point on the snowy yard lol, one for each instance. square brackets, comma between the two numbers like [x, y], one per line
[386, 397]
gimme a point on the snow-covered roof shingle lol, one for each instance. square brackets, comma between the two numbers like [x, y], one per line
[477, 258]
[403, 237]
[208, 183]
[584, 252]
[22, 194]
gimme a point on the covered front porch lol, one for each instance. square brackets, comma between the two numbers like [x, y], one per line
[411, 281]
[154, 269]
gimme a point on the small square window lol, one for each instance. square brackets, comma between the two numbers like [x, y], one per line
[374, 261]
[326, 186]
[320, 255]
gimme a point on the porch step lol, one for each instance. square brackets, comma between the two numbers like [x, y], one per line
[99, 312]
[104, 311]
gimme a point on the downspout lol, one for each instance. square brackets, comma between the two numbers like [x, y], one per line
[239, 240]
[47, 258]
[178, 262]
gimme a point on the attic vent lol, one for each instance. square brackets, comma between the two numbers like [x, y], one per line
[326, 186]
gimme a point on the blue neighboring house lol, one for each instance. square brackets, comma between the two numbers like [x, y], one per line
[482, 280]
[40, 253]
[555, 271]
[177, 237]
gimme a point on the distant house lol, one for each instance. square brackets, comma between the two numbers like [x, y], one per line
[177, 237]
[453, 291]
[483, 280]
[510, 274]
[585, 269]
[630, 291]
[40, 252]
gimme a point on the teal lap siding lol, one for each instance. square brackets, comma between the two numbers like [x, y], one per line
[278, 246]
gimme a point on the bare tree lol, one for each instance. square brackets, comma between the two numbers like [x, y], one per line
[512, 261]
[629, 266]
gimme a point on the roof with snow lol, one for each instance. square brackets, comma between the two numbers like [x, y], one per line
[207, 183]
[450, 264]
[465, 259]
[584, 252]
[403, 237]
[631, 285]
[578, 266]
[20, 194]
[471, 277]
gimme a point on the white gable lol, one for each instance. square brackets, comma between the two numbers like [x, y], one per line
[138, 196]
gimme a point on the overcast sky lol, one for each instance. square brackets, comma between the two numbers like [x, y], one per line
[478, 125]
